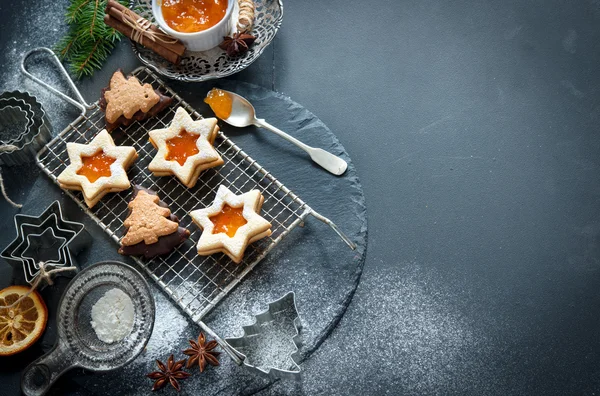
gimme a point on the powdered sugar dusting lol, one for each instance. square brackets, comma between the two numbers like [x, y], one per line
[169, 332]
[44, 25]
[409, 332]
[112, 316]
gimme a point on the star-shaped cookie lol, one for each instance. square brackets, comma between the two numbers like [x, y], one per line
[97, 168]
[231, 223]
[185, 148]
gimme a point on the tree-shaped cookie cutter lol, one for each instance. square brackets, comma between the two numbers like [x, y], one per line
[282, 312]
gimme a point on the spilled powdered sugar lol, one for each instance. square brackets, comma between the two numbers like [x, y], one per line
[45, 25]
[408, 334]
[169, 331]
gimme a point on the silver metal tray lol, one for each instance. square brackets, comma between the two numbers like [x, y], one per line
[194, 282]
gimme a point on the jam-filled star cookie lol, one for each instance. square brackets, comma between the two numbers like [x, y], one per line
[185, 148]
[97, 168]
[152, 229]
[126, 100]
[231, 223]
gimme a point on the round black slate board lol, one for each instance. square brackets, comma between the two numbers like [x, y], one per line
[312, 260]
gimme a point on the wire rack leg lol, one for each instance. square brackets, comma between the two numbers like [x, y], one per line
[335, 228]
[237, 357]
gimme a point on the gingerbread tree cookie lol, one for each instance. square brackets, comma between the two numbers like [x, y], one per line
[127, 96]
[151, 227]
[126, 100]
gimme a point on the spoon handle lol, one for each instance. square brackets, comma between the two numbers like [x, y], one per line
[328, 161]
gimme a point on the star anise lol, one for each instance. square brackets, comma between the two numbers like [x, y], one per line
[237, 44]
[169, 373]
[202, 353]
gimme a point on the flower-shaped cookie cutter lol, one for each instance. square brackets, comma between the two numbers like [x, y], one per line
[34, 242]
[262, 349]
[14, 122]
[38, 129]
[20, 101]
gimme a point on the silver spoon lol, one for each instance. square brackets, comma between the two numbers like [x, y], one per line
[243, 114]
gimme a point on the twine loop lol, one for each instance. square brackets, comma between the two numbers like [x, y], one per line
[43, 276]
[141, 28]
[246, 15]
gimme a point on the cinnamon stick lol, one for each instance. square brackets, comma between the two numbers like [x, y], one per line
[155, 46]
[177, 47]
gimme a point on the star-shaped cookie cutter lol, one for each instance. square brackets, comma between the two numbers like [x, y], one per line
[117, 181]
[37, 240]
[256, 226]
[207, 157]
[76, 238]
[286, 308]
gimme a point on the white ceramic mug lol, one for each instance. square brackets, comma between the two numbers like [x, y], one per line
[202, 40]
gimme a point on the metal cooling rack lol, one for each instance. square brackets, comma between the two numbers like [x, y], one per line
[196, 283]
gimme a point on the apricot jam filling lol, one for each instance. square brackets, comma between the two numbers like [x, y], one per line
[190, 16]
[96, 166]
[228, 220]
[181, 147]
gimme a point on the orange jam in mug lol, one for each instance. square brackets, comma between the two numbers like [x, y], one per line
[190, 16]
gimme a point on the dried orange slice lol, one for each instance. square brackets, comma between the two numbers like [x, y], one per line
[23, 324]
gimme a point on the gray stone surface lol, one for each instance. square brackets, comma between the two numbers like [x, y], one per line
[312, 261]
[473, 126]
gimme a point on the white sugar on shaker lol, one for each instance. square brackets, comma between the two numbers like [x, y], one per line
[112, 316]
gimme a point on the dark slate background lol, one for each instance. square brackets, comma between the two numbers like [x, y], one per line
[473, 126]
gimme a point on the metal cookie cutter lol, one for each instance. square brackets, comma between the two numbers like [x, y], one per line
[37, 132]
[49, 247]
[14, 122]
[269, 347]
[21, 101]
[34, 242]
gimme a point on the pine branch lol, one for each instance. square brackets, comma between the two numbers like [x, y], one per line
[85, 64]
[65, 45]
[75, 9]
[94, 22]
[89, 41]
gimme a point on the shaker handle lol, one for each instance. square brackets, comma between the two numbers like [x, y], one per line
[40, 375]
[80, 103]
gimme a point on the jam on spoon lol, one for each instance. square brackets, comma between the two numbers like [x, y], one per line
[220, 102]
[243, 115]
